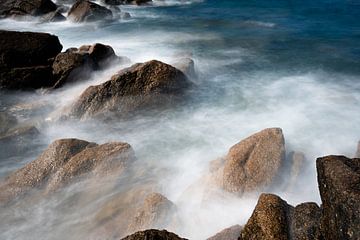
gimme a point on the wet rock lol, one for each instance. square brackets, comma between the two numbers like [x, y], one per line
[143, 86]
[137, 2]
[231, 233]
[269, 220]
[63, 161]
[25, 59]
[305, 224]
[187, 66]
[77, 64]
[113, 2]
[156, 212]
[253, 163]
[10, 8]
[54, 16]
[153, 234]
[293, 167]
[24, 49]
[339, 185]
[86, 11]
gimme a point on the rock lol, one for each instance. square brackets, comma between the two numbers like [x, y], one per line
[54, 16]
[25, 7]
[113, 2]
[339, 185]
[137, 2]
[25, 59]
[142, 86]
[25, 49]
[294, 166]
[305, 224]
[86, 11]
[231, 233]
[269, 221]
[187, 66]
[357, 154]
[156, 212]
[77, 64]
[63, 161]
[253, 163]
[153, 234]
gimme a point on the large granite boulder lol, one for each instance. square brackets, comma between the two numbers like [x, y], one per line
[339, 184]
[230, 233]
[153, 234]
[87, 11]
[10, 8]
[64, 161]
[143, 86]
[252, 164]
[26, 58]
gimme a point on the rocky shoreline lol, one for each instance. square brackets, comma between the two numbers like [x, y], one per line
[30, 61]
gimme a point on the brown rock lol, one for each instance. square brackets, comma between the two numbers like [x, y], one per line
[339, 185]
[156, 212]
[253, 163]
[153, 234]
[269, 220]
[142, 86]
[25, 7]
[63, 161]
[231, 233]
[86, 11]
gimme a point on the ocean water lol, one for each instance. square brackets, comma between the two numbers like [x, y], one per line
[260, 64]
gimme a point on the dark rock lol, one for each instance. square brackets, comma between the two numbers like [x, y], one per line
[25, 7]
[153, 234]
[64, 161]
[339, 184]
[113, 2]
[25, 49]
[137, 2]
[86, 11]
[305, 224]
[142, 86]
[231, 233]
[253, 163]
[55, 16]
[269, 220]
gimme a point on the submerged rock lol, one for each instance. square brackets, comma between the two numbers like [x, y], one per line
[187, 66]
[25, 59]
[357, 154]
[339, 185]
[253, 163]
[143, 86]
[231, 233]
[54, 16]
[64, 161]
[7, 122]
[87, 11]
[9, 8]
[153, 234]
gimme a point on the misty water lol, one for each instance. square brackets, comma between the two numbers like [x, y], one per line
[260, 64]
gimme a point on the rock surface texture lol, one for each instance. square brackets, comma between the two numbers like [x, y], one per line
[153, 234]
[87, 11]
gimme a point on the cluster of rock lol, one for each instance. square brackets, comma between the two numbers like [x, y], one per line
[81, 10]
[31, 60]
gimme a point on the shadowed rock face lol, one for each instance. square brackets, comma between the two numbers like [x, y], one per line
[153, 234]
[339, 184]
[142, 86]
[255, 161]
[63, 161]
[231, 233]
[26, 7]
[86, 11]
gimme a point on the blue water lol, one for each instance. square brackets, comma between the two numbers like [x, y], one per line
[288, 64]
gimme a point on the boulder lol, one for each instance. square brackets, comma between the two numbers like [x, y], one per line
[339, 185]
[26, 58]
[137, 2]
[153, 234]
[62, 162]
[253, 163]
[10, 8]
[156, 212]
[54, 16]
[113, 2]
[231, 233]
[142, 86]
[77, 64]
[86, 11]
[269, 221]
